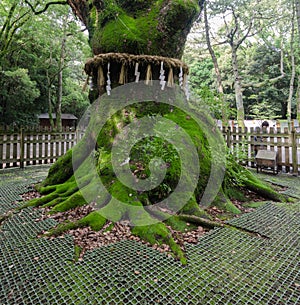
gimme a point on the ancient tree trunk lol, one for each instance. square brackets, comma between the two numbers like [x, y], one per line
[137, 27]
[152, 32]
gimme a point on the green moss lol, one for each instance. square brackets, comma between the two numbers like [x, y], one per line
[258, 186]
[192, 208]
[222, 201]
[71, 202]
[158, 233]
[61, 170]
[61, 228]
[77, 252]
[178, 224]
[122, 193]
[109, 228]
[255, 205]
[54, 202]
[235, 193]
[40, 201]
[95, 220]
[142, 27]
[294, 207]
[46, 190]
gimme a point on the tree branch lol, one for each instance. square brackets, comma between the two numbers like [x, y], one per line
[46, 6]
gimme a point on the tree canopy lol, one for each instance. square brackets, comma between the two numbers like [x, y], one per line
[39, 48]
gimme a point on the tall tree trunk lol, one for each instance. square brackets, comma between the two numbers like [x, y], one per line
[60, 75]
[298, 100]
[60, 84]
[298, 88]
[237, 88]
[293, 74]
[216, 67]
[297, 3]
[49, 85]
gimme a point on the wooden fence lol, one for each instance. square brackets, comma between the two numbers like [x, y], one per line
[31, 147]
[244, 144]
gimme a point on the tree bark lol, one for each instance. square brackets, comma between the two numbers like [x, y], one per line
[293, 73]
[216, 67]
[298, 88]
[137, 27]
[49, 83]
[60, 79]
[298, 99]
[237, 88]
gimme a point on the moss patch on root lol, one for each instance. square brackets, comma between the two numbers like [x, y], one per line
[158, 234]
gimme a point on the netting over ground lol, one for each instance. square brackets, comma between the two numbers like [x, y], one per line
[227, 266]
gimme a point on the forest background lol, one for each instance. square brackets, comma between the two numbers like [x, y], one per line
[243, 58]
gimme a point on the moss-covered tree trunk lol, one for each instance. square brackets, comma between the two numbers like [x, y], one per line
[124, 33]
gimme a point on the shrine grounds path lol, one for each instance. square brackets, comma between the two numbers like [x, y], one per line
[227, 266]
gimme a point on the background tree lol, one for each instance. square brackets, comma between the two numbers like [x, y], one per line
[264, 60]
[216, 67]
[17, 88]
[297, 4]
[37, 47]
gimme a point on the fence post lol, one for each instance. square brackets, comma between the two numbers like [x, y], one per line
[22, 138]
[1, 150]
[228, 137]
[22, 146]
[294, 152]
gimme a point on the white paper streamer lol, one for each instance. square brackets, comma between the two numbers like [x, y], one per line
[181, 78]
[108, 87]
[162, 76]
[137, 73]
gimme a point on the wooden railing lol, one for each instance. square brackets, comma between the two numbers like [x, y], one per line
[19, 148]
[244, 145]
[29, 147]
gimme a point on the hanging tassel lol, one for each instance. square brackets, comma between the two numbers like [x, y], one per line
[181, 78]
[91, 84]
[101, 79]
[122, 80]
[148, 79]
[137, 73]
[108, 87]
[162, 76]
[170, 78]
[86, 83]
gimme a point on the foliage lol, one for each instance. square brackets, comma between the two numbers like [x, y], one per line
[263, 57]
[36, 46]
[74, 99]
[18, 95]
